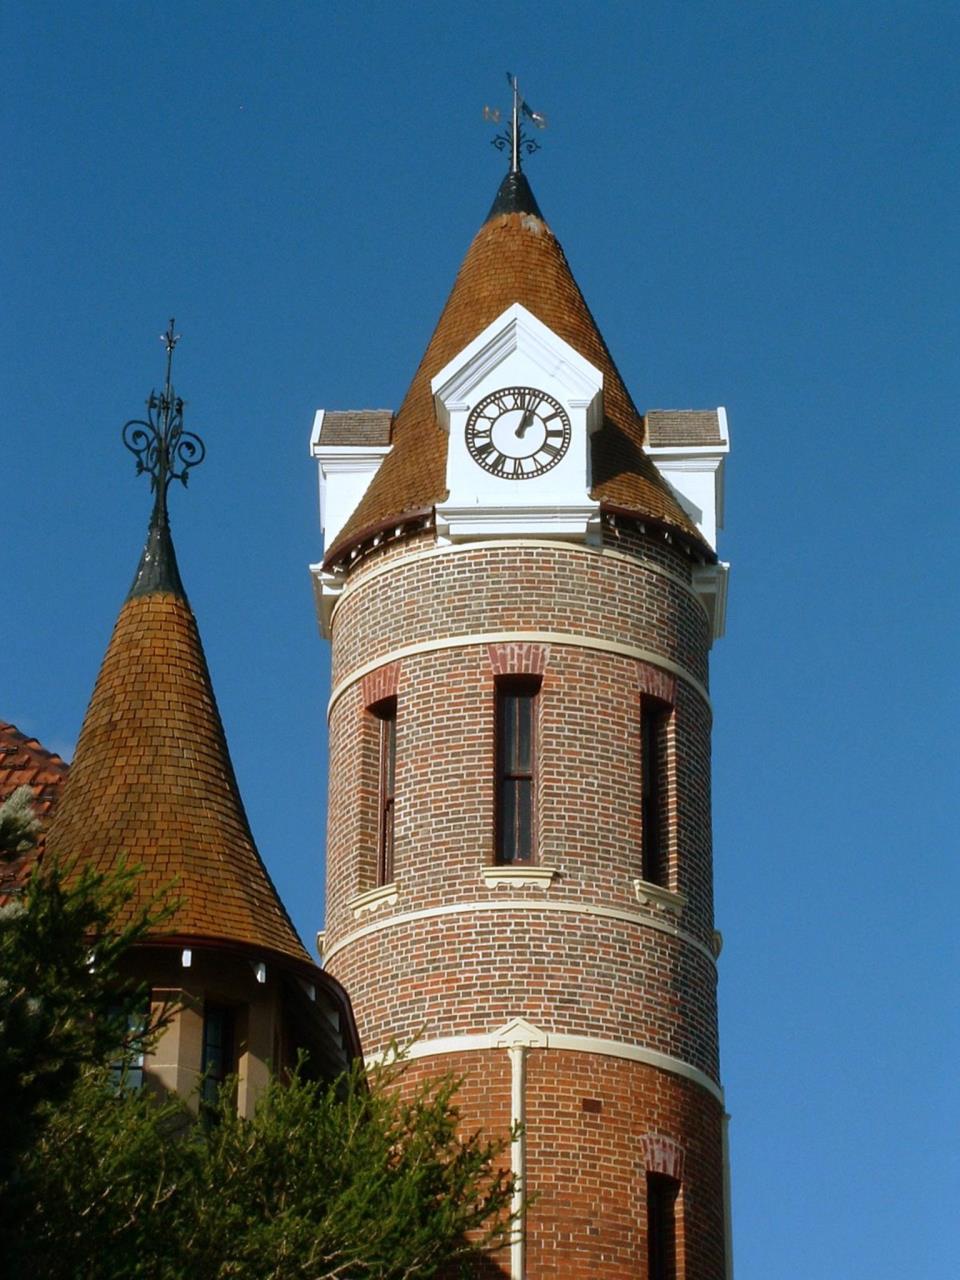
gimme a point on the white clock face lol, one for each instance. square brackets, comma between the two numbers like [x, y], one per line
[518, 433]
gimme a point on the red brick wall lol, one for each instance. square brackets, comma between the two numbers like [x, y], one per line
[595, 1126]
[468, 968]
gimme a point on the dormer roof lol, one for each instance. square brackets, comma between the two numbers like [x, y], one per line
[514, 258]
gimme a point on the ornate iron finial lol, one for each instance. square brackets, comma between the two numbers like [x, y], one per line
[160, 445]
[514, 138]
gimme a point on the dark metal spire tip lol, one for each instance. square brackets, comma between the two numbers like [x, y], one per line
[515, 195]
[165, 451]
[158, 572]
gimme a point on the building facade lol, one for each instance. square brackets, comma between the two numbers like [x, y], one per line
[521, 588]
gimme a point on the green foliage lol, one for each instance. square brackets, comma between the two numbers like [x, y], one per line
[351, 1181]
[364, 1179]
[19, 825]
[64, 1004]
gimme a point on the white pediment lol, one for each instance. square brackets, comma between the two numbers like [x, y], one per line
[547, 400]
[530, 348]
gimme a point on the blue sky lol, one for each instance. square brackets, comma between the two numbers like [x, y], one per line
[759, 202]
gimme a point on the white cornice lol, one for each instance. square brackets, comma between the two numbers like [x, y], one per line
[327, 590]
[537, 877]
[569, 521]
[710, 581]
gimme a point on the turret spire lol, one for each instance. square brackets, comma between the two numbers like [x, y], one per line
[166, 452]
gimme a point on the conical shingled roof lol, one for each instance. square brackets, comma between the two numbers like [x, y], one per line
[152, 781]
[514, 257]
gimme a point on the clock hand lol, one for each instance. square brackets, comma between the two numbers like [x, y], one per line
[525, 422]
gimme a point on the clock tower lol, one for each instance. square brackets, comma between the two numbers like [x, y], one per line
[521, 588]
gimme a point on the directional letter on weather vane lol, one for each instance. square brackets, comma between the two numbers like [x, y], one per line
[514, 136]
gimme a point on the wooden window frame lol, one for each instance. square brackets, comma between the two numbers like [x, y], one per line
[509, 689]
[654, 791]
[385, 713]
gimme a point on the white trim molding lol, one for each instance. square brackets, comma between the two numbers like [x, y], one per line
[654, 895]
[622, 1049]
[535, 877]
[517, 1036]
[517, 329]
[659, 923]
[711, 582]
[384, 895]
[571, 638]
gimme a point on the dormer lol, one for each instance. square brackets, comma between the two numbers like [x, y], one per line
[349, 447]
[688, 448]
[519, 405]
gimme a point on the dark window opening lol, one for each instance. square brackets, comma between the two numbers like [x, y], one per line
[219, 1050]
[386, 714]
[516, 756]
[653, 769]
[661, 1227]
[126, 1070]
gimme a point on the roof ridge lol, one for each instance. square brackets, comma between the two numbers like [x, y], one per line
[8, 730]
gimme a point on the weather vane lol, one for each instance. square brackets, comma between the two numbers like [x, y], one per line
[514, 136]
[160, 445]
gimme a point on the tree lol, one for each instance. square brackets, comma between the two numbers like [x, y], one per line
[64, 1003]
[344, 1181]
[362, 1179]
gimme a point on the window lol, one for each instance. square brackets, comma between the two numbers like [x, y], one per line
[219, 1060]
[661, 1227]
[386, 714]
[516, 755]
[126, 1070]
[653, 769]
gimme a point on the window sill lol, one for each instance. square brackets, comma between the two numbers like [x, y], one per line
[654, 895]
[537, 877]
[384, 895]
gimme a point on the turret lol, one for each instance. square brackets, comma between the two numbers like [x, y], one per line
[152, 786]
[519, 863]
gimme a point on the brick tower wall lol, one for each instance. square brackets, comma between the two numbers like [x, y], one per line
[618, 980]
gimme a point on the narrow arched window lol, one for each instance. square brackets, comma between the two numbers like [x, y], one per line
[661, 1227]
[654, 716]
[386, 714]
[516, 769]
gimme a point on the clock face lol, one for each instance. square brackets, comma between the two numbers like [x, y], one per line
[518, 433]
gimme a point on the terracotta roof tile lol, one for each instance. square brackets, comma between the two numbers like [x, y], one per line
[514, 257]
[152, 783]
[25, 763]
